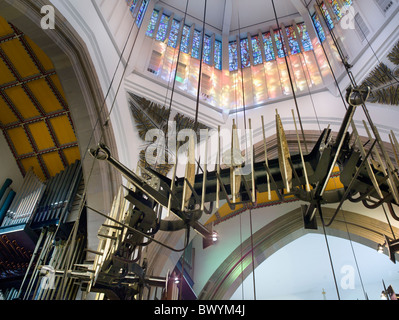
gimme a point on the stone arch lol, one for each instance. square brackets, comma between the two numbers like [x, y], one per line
[282, 231]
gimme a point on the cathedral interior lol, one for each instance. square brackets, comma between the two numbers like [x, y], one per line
[199, 150]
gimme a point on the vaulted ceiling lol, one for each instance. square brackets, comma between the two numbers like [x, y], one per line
[34, 115]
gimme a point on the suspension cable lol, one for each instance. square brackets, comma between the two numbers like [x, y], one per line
[285, 50]
[246, 145]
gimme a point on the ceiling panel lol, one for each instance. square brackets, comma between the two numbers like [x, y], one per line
[34, 113]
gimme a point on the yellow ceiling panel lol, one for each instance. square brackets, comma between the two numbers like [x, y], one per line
[72, 154]
[41, 135]
[33, 163]
[45, 96]
[20, 141]
[5, 28]
[58, 85]
[19, 58]
[6, 115]
[63, 130]
[53, 163]
[22, 102]
[42, 57]
[5, 74]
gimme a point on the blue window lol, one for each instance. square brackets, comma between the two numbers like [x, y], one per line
[319, 28]
[143, 9]
[163, 28]
[245, 56]
[174, 33]
[233, 56]
[257, 50]
[218, 55]
[153, 22]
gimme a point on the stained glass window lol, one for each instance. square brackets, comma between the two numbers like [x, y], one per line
[319, 28]
[233, 56]
[218, 55]
[163, 28]
[279, 44]
[174, 33]
[245, 57]
[153, 22]
[143, 9]
[327, 16]
[257, 50]
[292, 40]
[306, 42]
[132, 5]
[207, 49]
[185, 40]
[195, 52]
[336, 8]
[268, 45]
[348, 2]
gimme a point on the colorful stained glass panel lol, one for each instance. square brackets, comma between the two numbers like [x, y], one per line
[153, 22]
[233, 56]
[305, 38]
[207, 49]
[336, 8]
[292, 40]
[185, 41]
[218, 55]
[268, 46]
[163, 28]
[195, 52]
[174, 33]
[319, 28]
[279, 44]
[143, 9]
[257, 50]
[245, 56]
[327, 16]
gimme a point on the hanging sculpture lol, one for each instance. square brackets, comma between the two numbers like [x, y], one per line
[302, 176]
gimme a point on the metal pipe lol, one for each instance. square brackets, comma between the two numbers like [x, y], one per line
[55, 197]
[25, 201]
[205, 173]
[67, 192]
[266, 159]
[46, 203]
[69, 175]
[5, 186]
[305, 173]
[394, 150]
[27, 187]
[72, 192]
[3, 211]
[252, 162]
[218, 172]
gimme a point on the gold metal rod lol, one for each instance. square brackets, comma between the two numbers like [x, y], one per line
[300, 150]
[266, 159]
[205, 172]
[251, 145]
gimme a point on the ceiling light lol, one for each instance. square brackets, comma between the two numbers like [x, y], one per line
[215, 237]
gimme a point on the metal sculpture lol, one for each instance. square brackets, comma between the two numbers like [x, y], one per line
[304, 176]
